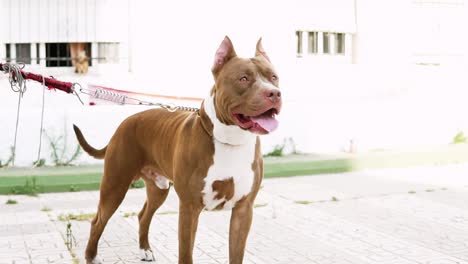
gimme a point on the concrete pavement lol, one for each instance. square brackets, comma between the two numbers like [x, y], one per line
[395, 216]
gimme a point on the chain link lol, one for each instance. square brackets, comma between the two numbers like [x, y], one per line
[121, 99]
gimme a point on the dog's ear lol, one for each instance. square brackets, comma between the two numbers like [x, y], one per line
[224, 53]
[260, 51]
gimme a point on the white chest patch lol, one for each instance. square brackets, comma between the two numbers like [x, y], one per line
[234, 154]
[230, 162]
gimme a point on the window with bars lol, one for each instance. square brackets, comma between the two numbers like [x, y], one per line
[22, 52]
[339, 43]
[317, 42]
[8, 52]
[299, 42]
[326, 42]
[313, 42]
[60, 54]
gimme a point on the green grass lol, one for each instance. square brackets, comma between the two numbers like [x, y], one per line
[126, 215]
[51, 183]
[137, 184]
[76, 217]
[10, 201]
[46, 209]
[296, 165]
[303, 202]
[81, 178]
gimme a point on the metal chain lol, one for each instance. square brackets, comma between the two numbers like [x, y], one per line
[171, 107]
[121, 99]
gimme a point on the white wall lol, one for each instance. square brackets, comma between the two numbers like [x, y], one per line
[31, 21]
[381, 101]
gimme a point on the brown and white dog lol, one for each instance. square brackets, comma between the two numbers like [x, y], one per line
[212, 156]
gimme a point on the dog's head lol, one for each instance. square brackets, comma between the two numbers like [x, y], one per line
[246, 91]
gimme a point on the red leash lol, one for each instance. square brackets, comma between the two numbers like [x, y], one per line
[50, 82]
[95, 91]
[17, 78]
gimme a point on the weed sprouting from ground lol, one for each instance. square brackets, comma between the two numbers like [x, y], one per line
[70, 242]
[303, 202]
[30, 187]
[46, 209]
[276, 152]
[126, 215]
[39, 163]
[59, 149]
[460, 138]
[11, 201]
[9, 159]
[76, 217]
[70, 238]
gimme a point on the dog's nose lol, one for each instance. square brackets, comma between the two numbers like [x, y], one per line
[273, 94]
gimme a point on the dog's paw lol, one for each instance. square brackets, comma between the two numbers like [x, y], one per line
[146, 255]
[96, 260]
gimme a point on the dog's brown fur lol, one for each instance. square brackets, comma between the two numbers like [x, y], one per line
[179, 145]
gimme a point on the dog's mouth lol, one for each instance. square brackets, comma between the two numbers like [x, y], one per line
[263, 123]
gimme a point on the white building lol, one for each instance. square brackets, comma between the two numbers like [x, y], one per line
[361, 70]
[47, 33]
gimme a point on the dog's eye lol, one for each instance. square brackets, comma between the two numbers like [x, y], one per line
[243, 79]
[274, 77]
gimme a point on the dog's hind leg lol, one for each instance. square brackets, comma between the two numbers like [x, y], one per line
[155, 198]
[115, 183]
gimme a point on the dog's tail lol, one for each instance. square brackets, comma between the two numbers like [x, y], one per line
[96, 153]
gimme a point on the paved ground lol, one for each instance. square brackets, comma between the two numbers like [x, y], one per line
[387, 216]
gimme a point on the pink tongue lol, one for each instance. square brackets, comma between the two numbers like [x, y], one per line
[266, 122]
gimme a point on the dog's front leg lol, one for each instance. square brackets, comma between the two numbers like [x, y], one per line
[241, 219]
[188, 222]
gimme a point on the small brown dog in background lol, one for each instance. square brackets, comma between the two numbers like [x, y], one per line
[81, 63]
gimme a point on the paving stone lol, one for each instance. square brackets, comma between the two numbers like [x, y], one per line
[374, 220]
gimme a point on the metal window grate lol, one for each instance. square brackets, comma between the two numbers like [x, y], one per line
[313, 42]
[326, 42]
[23, 53]
[8, 52]
[299, 42]
[58, 55]
[340, 43]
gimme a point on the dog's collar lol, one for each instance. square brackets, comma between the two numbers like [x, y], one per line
[205, 121]
[231, 135]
